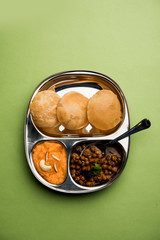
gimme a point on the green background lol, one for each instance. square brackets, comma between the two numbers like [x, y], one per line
[118, 38]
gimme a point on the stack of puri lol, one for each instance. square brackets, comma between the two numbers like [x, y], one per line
[74, 112]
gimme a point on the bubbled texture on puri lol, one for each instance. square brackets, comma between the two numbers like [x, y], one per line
[44, 109]
[72, 111]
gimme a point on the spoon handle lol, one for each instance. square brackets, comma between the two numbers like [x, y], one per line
[144, 124]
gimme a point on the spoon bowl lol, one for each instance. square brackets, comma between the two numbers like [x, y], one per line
[144, 124]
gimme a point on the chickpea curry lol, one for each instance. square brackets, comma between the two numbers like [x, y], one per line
[92, 168]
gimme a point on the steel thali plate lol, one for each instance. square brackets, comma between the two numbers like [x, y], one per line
[87, 83]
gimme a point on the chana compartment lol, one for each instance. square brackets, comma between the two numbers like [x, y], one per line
[50, 161]
[92, 167]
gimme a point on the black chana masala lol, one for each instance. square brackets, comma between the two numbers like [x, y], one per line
[93, 167]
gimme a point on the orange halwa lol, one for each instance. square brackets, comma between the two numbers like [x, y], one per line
[46, 151]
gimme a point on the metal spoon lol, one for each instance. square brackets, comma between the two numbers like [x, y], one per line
[144, 124]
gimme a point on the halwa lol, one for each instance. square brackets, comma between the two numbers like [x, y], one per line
[50, 160]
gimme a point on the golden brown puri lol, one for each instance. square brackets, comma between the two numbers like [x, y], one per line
[72, 111]
[43, 109]
[104, 110]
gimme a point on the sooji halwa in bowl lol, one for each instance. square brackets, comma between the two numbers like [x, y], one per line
[73, 114]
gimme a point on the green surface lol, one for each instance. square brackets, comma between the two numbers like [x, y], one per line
[118, 38]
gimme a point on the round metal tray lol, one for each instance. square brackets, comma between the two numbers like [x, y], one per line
[87, 83]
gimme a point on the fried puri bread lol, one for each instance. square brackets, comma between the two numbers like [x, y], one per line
[104, 110]
[43, 109]
[72, 111]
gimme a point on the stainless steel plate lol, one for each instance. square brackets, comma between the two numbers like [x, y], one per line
[87, 83]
